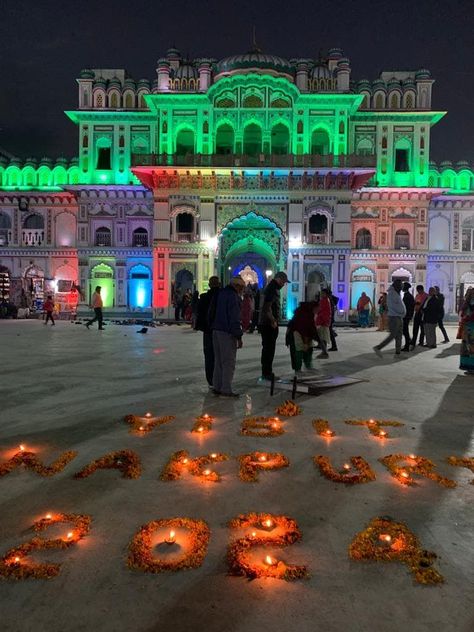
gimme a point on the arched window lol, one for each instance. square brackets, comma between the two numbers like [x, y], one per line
[140, 237]
[402, 239]
[365, 147]
[365, 101]
[86, 99]
[142, 100]
[225, 102]
[280, 139]
[379, 101]
[114, 100]
[299, 127]
[394, 101]
[99, 100]
[85, 141]
[34, 222]
[320, 142]
[363, 239]
[129, 101]
[184, 227]
[318, 224]
[252, 101]
[468, 234]
[280, 102]
[103, 236]
[225, 139]
[185, 142]
[252, 140]
[402, 155]
[5, 226]
[409, 101]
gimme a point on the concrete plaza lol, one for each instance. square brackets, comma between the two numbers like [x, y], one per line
[66, 388]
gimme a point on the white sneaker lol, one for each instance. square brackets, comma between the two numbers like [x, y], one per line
[378, 352]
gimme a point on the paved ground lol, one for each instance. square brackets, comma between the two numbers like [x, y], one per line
[68, 388]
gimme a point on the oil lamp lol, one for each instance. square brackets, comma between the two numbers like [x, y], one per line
[171, 539]
[270, 561]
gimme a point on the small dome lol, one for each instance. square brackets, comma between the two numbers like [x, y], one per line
[186, 71]
[423, 73]
[31, 162]
[343, 63]
[379, 84]
[144, 83]
[47, 162]
[446, 164]
[320, 71]
[115, 81]
[408, 82]
[173, 53]
[335, 53]
[86, 74]
[62, 161]
[129, 83]
[74, 161]
[462, 164]
[254, 61]
[393, 83]
[363, 84]
[15, 161]
[433, 164]
[100, 81]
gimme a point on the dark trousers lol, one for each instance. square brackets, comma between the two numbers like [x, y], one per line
[269, 337]
[178, 309]
[406, 332]
[443, 330]
[208, 348]
[97, 316]
[418, 326]
[332, 335]
[49, 316]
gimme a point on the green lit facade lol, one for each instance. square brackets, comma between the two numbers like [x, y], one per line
[250, 164]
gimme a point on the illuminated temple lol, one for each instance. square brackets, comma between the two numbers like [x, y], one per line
[247, 165]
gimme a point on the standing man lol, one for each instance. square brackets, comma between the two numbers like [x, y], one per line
[268, 324]
[96, 304]
[420, 298]
[409, 303]
[440, 297]
[226, 335]
[396, 312]
[203, 324]
[431, 315]
[334, 303]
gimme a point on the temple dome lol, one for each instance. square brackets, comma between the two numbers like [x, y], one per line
[321, 71]
[254, 61]
[186, 71]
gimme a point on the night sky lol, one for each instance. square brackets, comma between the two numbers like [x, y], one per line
[44, 44]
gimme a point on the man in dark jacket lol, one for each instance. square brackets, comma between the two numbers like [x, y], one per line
[202, 324]
[440, 297]
[409, 302]
[226, 335]
[268, 324]
[431, 310]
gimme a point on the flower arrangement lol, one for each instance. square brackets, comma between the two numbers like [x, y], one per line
[127, 461]
[261, 427]
[142, 425]
[467, 462]
[33, 463]
[363, 474]
[239, 554]
[202, 424]
[375, 426]
[180, 462]
[16, 564]
[289, 409]
[322, 428]
[389, 541]
[418, 465]
[140, 556]
[251, 463]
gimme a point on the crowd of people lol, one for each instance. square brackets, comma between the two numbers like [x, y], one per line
[224, 315]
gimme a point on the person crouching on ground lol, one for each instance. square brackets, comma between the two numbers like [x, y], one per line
[226, 335]
[396, 313]
[300, 334]
[323, 322]
[49, 309]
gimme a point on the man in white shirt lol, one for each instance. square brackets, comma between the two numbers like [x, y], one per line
[396, 312]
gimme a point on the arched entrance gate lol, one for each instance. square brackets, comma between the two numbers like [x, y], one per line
[252, 245]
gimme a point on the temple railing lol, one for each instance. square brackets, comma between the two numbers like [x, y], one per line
[259, 161]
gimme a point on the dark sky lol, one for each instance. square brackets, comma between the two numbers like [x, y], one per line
[45, 43]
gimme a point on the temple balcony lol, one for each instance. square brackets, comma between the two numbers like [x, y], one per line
[261, 160]
[32, 237]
